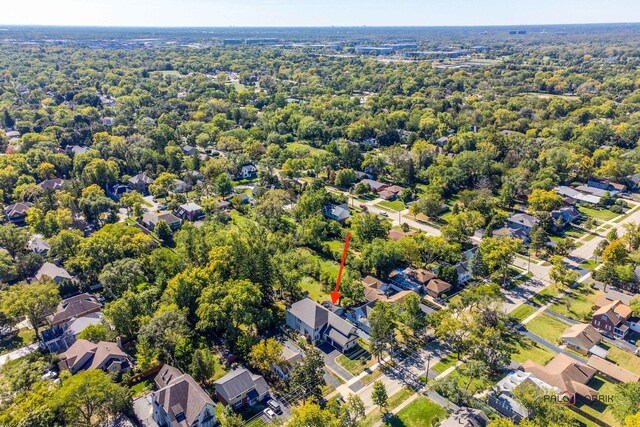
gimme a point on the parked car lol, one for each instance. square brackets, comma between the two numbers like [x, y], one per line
[275, 406]
[383, 213]
[269, 413]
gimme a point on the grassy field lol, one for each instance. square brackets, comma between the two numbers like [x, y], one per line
[142, 388]
[418, 413]
[599, 409]
[547, 327]
[369, 378]
[530, 349]
[577, 303]
[356, 365]
[16, 340]
[524, 311]
[603, 214]
[546, 295]
[625, 359]
[395, 205]
[448, 361]
[589, 264]
[314, 288]
[394, 400]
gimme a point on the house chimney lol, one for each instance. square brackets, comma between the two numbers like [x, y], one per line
[119, 343]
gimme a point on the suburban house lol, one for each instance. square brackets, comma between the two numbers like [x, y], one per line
[437, 287]
[291, 356]
[53, 272]
[38, 245]
[360, 316]
[374, 185]
[607, 185]
[634, 180]
[107, 121]
[52, 184]
[466, 417]
[73, 308]
[502, 397]
[188, 150]
[318, 324]
[17, 212]
[84, 355]
[180, 402]
[522, 221]
[60, 337]
[577, 195]
[376, 290]
[612, 371]
[140, 183]
[179, 186]
[240, 387]
[566, 215]
[116, 191]
[338, 213]
[582, 338]
[566, 374]
[77, 149]
[247, 171]
[151, 219]
[597, 192]
[190, 212]
[611, 318]
[391, 193]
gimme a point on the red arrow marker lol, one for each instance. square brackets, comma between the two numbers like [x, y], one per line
[335, 295]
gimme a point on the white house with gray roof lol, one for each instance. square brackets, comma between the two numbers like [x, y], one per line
[318, 324]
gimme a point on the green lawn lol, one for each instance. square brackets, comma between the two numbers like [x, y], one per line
[603, 214]
[142, 388]
[418, 413]
[530, 349]
[577, 303]
[297, 146]
[599, 409]
[356, 365]
[16, 340]
[625, 359]
[589, 264]
[445, 363]
[373, 376]
[547, 327]
[546, 295]
[395, 205]
[336, 246]
[314, 288]
[394, 400]
[574, 232]
[524, 311]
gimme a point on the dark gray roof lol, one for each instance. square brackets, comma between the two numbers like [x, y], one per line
[524, 219]
[238, 382]
[166, 374]
[182, 395]
[75, 306]
[310, 312]
[141, 177]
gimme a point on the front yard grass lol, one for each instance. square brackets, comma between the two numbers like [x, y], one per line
[421, 412]
[577, 303]
[600, 409]
[547, 327]
[394, 400]
[356, 365]
[524, 311]
[625, 359]
[314, 289]
[16, 340]
[589, 264]
[603, 214]
[445, 363]
[530, 349]
[546, 295]
[394, 205]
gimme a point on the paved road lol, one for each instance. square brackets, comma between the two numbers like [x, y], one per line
[330, 354]
[550, 345]
[21, 352]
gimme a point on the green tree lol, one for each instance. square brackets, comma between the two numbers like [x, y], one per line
[164, 232]
[224, 185]
[165, 332]
[382, 328]
[309, 374]
[627, 401]
[35, 301]
[91, 398]
[95, 333]
[367, 227]
[203, 365]
[379, 395]
[265, 354]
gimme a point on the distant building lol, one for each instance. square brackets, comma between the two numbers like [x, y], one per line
[190, 212]
[522, 221]
[338, 213]
[17, 212]
[247, 171]
[84, 355]
[53, 272]
[578, 195]
[605, 184]
[60, 337]
[466, 417]
[74, 307]
[318, 324]
[240, 387]
[180, 402]
[151, 219]
[52, 184]
[140, 183]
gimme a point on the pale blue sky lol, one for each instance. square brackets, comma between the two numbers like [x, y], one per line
[216, 13]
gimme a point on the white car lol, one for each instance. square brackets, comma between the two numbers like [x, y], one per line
[383, 213]
[270, 413]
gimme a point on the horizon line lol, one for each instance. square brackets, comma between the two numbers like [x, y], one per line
[307, 26]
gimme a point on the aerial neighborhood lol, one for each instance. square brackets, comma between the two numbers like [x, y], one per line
[314, 227]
